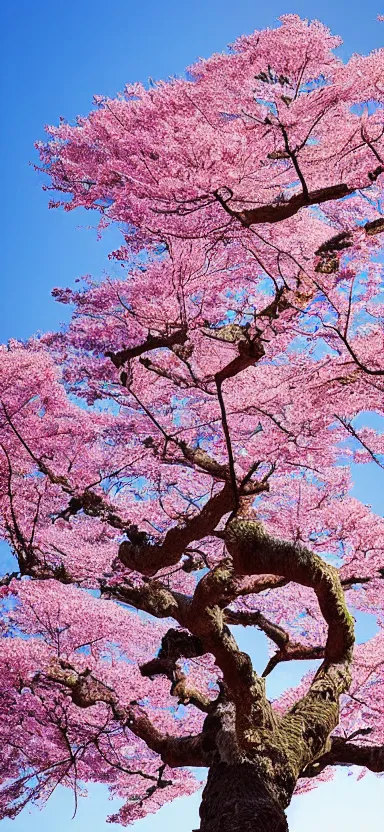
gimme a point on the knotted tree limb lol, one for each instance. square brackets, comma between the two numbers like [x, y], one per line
[207, 621]
[175, 645]
[254, 552]
[289, 650]
[204, 617]
[305, 730]
[155, 599]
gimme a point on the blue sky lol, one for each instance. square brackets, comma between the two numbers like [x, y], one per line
[54, 58]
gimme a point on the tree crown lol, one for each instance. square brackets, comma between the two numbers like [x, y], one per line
[177, 460]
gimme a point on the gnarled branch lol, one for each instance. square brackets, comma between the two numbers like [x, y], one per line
[86, 690]
[306, 727]
[207, 620]
[148, 559]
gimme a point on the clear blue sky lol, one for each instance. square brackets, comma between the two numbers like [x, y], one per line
[54, 57]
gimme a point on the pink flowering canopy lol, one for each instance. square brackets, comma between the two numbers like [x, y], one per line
[177, 459]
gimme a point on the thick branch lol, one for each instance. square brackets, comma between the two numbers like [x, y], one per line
[86, 691]
[345, 753]
[153, 598]
[307, 726]
[250, 351]
[254, 552]
[148, 559]
[199, 457]
[187, 695]
[375, 226]
[207, 620]
[153, 342]
[283, 210]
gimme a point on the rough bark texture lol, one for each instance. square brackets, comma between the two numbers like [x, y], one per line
[236, 799]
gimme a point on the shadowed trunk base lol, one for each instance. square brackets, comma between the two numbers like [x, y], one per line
[235, 799]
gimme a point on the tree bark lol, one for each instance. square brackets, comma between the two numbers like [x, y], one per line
[236, 799]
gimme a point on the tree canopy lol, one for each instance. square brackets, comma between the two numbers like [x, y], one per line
[177, 459]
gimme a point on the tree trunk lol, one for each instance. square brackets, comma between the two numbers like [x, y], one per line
[236, 799]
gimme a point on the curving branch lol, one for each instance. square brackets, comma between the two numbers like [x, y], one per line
[86, 690]
[306, 727]
[149, 558]
[375, 226]
[288, 650]
[207, 620]
[177, 644]
[93, 505]
[254, 552]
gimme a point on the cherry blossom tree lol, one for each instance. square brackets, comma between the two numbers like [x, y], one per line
[176, 461]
